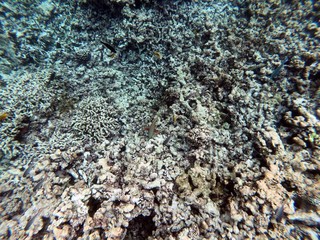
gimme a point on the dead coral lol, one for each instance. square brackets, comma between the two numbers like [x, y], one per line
[306, 127]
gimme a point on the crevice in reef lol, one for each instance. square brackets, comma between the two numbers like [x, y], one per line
[94, 205]
[140, 228]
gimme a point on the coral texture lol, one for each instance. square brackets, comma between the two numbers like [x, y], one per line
[159, 119]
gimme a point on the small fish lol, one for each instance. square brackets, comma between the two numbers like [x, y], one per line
[167, 140]
[7, 193]
[157, 54]
[278, 69]
[28, 170]
[30, 222]
[38, 185]
[109, 46]
[174, 119]
[152, 127]
[3, 116]
[279, 213]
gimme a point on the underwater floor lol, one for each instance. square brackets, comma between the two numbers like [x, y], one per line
[159, 119]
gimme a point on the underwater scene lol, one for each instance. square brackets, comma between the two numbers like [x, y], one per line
[159, 119]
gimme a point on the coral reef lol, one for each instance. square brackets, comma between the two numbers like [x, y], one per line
[29, 100]
[160, 120]
[115, 2]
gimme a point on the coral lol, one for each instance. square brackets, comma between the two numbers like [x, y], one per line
[305, 127]
[8, 58]
[82, 56]
[237, 152]
[96, 119]
[21, 98]
[199, 136]
[110, 2]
